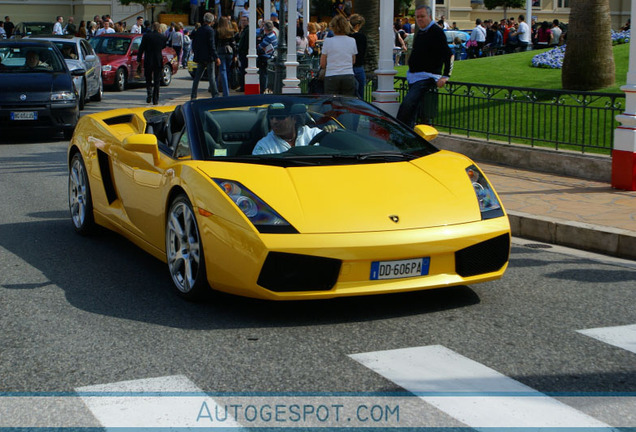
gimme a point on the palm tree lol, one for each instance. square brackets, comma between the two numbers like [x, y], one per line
[589, 60]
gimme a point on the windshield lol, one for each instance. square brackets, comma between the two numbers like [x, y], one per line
[110, 45]
[29, 59]
[303, 130]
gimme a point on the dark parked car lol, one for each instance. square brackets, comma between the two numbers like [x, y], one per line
[118, 54]
[33, 28]
[36, 87]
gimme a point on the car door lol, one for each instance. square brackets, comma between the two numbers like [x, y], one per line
[134, 49]
[93, 67]
[142, 184]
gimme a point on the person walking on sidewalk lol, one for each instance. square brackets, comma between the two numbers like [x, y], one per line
[205, 56]
[151, 44]
[430, 65]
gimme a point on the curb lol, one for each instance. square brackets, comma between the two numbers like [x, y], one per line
[609, 241]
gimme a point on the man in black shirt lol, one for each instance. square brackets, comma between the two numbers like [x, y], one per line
[430, 65]
[152, 44]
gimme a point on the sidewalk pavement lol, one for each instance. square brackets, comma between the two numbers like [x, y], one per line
[556, 209]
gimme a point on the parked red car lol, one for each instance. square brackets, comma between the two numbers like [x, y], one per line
[118, 54]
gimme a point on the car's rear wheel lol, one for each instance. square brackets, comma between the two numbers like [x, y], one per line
[79, 196]
[97, 97]
[166, 75]
[120, 79]
[184, 250]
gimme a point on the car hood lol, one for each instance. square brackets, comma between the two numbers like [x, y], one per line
[111, 58]
[36, 86]
[431, 191]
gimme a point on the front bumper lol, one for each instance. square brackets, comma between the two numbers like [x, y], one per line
[60, 115]
[459, 255]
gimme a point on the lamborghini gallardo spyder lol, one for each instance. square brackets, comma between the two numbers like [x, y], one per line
[347, 202]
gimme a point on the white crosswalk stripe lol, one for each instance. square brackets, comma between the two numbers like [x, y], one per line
[620, 336]
[470, 392]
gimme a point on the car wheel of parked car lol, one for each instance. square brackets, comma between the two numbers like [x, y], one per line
[120, 80]
[79, 196]
[166, 75]
[100, 93]
[184, 251]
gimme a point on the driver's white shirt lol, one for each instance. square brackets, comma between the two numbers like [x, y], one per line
[271, 143]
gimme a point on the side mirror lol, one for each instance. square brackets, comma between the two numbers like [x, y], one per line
[91, 58]
[142, 143]
[78, 72]
[134, 52]
[427, 132]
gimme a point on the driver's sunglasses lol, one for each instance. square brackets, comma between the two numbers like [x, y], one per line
[278, 117]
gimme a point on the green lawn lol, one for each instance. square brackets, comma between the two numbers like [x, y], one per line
[516, 70]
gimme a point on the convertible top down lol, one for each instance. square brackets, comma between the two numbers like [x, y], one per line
[368, 206]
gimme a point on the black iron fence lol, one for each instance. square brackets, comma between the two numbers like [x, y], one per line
[559, 119]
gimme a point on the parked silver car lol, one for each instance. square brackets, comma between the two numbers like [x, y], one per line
[79, 54]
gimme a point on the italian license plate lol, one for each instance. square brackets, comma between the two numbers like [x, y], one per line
[400, 268]
[24, 115]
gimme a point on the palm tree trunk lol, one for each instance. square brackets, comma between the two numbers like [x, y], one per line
[589, 60]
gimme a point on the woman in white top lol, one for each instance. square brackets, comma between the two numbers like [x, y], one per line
[337, 59]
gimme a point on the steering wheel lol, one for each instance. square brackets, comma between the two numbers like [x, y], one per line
[315, 140]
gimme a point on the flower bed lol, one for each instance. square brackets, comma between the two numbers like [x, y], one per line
[553, 59]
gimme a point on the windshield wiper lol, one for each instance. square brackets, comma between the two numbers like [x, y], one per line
[389, 155]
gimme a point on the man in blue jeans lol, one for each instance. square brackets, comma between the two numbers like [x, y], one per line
[205, 56]
[430, 65]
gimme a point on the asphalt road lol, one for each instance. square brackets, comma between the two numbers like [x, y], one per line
[81, 311]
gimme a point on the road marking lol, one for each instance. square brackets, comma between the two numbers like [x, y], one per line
[620, 336]
[172, 401]
[439, 376]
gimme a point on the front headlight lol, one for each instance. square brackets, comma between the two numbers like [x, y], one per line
[489, 205]
[107, 68]
[264, 218]
[63, 96]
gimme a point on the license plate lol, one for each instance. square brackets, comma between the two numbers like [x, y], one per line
[24, 115]
[400, 268]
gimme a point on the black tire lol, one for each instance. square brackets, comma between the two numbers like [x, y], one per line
[97, 97]
[121, 79]
[79, 196]
[184, 250]
[166, 75]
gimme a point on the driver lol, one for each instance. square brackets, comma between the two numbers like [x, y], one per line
[287, 129]
[32, 60]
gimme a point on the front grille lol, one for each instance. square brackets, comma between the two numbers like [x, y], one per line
[484, 257]
[285, 272]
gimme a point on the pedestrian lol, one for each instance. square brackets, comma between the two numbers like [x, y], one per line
[187, 48]
[3, 33]
[8, 26]
[265, 51]
[57, 27]
[337, 58]
[81, 31]
[106, 29]
[152, 43]
[430, 64]
[71, 28]
[237, 7]
[205, 55]
[357, 21]
[137, 26]
[176, 39]
[523, 34]
[243, 49]
[194, 12]
[226, 49]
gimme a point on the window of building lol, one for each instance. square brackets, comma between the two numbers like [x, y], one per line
[536, 3]
[563, 3]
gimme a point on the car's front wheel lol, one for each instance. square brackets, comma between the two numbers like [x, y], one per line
[79, 196]
[120, 80]
[166, 75]
[184, 250]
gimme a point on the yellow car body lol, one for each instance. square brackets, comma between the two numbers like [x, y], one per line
[346, 217]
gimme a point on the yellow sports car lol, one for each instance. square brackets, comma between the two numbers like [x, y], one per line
[287, 197]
